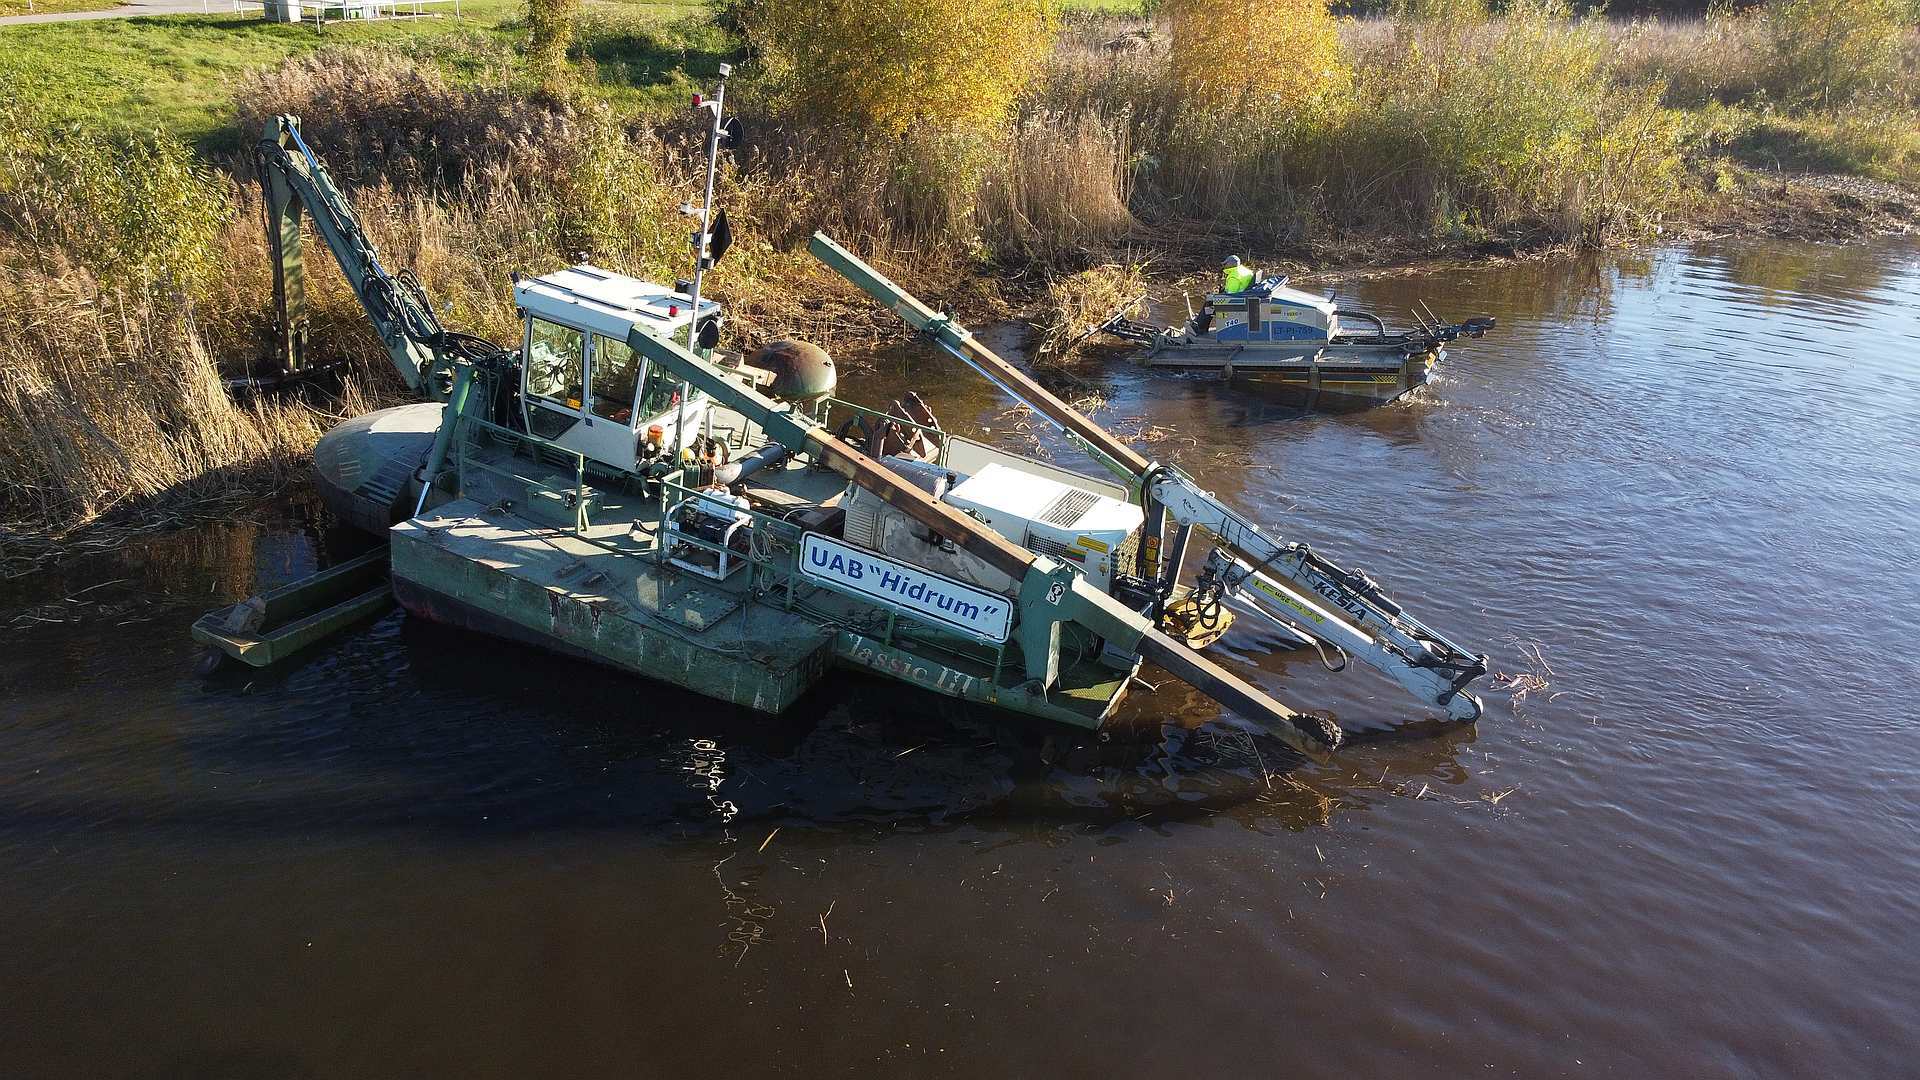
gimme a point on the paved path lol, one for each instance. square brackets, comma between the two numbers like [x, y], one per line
[132, 10]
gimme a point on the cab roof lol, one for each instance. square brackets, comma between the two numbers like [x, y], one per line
[589, 298]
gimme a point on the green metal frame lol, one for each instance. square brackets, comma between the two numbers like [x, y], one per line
[829, 404]
[465, 460]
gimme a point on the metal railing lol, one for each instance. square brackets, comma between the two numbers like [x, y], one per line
[577, 497]
[316, 11]
[935, 435]
[770, 537]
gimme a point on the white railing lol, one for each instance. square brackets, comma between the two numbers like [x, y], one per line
[318, 11]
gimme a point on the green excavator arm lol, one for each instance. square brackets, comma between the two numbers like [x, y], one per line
[293, 180]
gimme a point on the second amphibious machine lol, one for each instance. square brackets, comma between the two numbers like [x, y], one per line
[612, 488]
[1298, 339]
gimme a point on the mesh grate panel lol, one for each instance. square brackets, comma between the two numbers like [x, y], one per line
[1069, 508]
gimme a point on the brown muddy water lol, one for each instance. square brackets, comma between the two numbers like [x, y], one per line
[1689, 476]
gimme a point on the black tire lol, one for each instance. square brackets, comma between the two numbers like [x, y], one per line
[1321, 730]
[854, 433]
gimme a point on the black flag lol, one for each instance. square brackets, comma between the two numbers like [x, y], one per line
[719, 237]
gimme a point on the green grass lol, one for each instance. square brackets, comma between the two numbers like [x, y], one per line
[652, 56]
[49, 7]
[175, 73]
[170, 73]
[1878, 142]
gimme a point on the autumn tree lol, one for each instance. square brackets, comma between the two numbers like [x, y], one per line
[1229, 54]
[550, 30]
[885, 66]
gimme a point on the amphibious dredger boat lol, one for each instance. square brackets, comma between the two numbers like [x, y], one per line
[610, 490]
[1297, 338]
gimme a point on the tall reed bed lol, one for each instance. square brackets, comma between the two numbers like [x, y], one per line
[1452, 128]
[112, 397]
[108, 390]
[136, 273]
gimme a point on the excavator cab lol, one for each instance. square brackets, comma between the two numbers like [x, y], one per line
[582, 386]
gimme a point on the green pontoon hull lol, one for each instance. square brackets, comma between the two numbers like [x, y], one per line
[484, 569]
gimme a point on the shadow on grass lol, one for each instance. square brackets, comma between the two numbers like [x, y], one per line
[653, 58]
[1779, 148]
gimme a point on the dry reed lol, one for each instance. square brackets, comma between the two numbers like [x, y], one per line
[1063, 183]
[111, 398]
[1077, 302]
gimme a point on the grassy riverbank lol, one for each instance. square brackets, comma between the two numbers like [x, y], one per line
[53, 7]
[129, 229]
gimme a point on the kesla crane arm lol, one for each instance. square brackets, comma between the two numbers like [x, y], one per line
[1341, 608]
[1050, 593]
[291, 177]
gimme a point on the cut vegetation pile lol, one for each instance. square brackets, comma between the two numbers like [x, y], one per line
[1080, 300]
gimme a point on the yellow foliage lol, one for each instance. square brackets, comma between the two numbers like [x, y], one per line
[1283, 53]
[888, 65]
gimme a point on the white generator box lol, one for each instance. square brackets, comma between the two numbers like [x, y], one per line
[1089, 531]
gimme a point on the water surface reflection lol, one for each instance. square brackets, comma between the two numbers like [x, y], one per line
[1689, 476]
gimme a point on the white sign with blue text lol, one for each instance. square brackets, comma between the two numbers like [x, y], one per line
[921, 593]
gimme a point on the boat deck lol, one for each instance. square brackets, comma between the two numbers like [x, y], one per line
[507, 558]
[486, 568]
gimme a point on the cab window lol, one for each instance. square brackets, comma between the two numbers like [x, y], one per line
[556, 363]
[662, 393]
[615, 371]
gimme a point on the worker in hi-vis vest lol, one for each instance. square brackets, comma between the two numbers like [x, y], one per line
[1234, 276]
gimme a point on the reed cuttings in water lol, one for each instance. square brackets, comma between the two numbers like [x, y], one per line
[1536, 678]
[1077, 302]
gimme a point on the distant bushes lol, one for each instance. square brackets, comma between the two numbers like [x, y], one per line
[885, 67]
[1448, 127]
[1281, 57]
[1793, 54]
[1827, 53]
[1474, 128]
[1827, 85]
[1438, 10]
[550, 31]
[1722, 57]
[912, 99]
[137, 211]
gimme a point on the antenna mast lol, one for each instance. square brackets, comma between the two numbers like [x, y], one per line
[702, 259]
